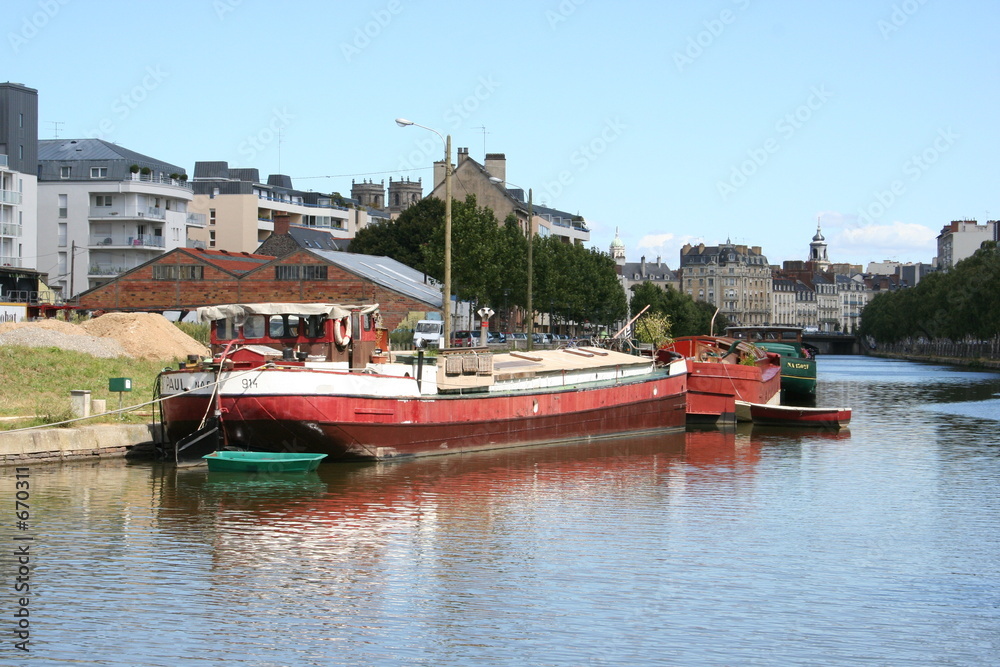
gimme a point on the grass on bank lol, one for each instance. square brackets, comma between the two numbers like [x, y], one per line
[35, 382]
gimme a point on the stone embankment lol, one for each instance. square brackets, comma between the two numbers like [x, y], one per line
[67, 444]
[976, 354]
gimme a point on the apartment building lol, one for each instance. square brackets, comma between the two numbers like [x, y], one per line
[104, 209]
[241, 209]
[18, 175]
[961, 239]
[734, 278]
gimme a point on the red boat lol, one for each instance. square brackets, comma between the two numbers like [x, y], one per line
[320, 378]
[802, 417]
[722, 371]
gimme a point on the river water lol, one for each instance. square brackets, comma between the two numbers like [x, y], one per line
[877, 545]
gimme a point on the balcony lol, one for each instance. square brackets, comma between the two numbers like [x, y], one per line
[159, 180]
[10, 261]
[126, 212]
[123, 241]
[195, 220]
[10, 197]
[191, 243]
[105, 270]
[10, 229]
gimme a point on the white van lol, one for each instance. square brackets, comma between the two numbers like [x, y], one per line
[427, 333]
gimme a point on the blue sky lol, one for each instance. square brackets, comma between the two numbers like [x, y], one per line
[674, 122]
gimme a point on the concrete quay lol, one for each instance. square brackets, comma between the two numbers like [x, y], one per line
[67, 444]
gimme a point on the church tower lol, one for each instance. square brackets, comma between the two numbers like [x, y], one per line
[617, 249]
[817, 250]
[369, 193]
[403, 194]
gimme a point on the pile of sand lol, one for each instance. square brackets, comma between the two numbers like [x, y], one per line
[137, 335]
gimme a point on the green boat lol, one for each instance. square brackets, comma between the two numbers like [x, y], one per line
[225, 461]
[798, 359]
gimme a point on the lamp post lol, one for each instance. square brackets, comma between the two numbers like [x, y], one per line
[530, 232]
[446, 306]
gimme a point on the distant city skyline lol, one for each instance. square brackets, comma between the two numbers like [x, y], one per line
[675, 123]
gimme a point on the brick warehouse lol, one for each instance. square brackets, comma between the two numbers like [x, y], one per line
[186, 278]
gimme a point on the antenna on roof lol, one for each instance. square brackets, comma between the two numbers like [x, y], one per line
[55, 127]
[483, 128]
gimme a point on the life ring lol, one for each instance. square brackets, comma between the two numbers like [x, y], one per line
[340, 331]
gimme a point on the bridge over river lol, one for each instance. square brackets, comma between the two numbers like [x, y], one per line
[833, 343]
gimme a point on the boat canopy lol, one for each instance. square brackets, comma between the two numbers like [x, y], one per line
[238, 312]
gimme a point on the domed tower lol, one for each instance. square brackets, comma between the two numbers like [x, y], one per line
[403, 194]
[369, 193]
[617, 249]
[817, 249]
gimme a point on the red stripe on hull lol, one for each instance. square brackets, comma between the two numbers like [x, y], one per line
[347, 427]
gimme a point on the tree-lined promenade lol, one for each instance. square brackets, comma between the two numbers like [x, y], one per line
[947, 315]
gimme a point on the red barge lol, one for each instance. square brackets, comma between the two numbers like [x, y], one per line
[722, 371]
[320, 378]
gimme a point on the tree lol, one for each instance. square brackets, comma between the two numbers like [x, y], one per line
[404, 239]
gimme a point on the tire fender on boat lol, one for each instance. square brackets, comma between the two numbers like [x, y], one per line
[341, 328]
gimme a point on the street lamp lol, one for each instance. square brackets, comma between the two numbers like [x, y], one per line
[530, 232]
[446, 306]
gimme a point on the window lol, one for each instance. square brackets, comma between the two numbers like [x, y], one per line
[211, 216]
[224, 330]
[63, 206]
[182, 272]
[20, 120]
[314, 273]
[254, 327]
[287, 272]
[65, 172]
[102, 200]
[283, 326]
[98, 172]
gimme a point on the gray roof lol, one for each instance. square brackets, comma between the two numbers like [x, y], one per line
[388, 273]
[211, 170]
[64, 150]
[314, 239]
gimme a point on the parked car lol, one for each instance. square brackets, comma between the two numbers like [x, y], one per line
[541, 338]
[464, 338]
[495, 337]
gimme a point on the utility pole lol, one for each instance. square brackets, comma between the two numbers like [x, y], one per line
[72, 265]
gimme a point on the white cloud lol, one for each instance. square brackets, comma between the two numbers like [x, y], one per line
[904, 240]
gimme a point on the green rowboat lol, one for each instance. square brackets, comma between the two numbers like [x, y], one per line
[224, 461]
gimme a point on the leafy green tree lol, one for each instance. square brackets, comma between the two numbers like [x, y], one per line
[406, 238]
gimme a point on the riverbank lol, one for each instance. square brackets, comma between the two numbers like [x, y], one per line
[973, 355]
[67, 444]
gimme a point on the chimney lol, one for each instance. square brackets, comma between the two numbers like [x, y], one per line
[496, 165]
[657, 261]
[463, 155]
[281, 222]
[438, 174]
[642, 266]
